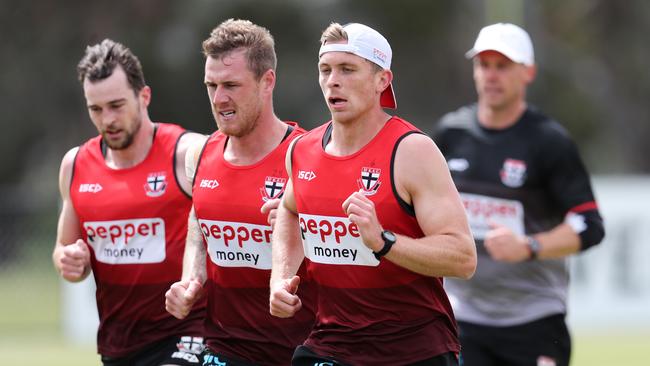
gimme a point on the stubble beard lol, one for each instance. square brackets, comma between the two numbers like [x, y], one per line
[128, 138]
[247, 123]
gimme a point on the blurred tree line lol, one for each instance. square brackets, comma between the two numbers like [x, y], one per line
[591, 54]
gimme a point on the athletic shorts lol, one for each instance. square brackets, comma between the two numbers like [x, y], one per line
[303, 356]
[182, 351]
[543, 342]
[211, 358]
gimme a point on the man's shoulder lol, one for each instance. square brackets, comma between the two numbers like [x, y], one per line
[317, 132]
[401, 123]
[461, 118]
[295, 127]
[88, 148]
[69, 158]
[546, 127]
[169, 127]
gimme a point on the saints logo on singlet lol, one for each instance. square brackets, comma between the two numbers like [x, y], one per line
[273, 188]
[513, 173]
[156, 184]
[369, 182]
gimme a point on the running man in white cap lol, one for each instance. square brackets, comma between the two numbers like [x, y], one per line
[529, 203]
[380, 218]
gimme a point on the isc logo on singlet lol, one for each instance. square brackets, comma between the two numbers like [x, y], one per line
[127, 241]
[334, 240]
[236, 244]
[90, 187]
[481, 210]
[307, 175]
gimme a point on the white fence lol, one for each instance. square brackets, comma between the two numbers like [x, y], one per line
[610, 288]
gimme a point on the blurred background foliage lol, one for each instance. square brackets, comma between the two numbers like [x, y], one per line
[592, 57]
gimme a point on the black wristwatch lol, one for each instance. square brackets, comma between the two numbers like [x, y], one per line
[534, 247]
[389, 239]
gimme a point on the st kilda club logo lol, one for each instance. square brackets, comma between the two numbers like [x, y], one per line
[513, 173]
[273, 188]
[369, 181]
[156, 184]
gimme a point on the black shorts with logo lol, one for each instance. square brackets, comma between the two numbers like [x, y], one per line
[211, 358]
[543, 342]
[181, 351]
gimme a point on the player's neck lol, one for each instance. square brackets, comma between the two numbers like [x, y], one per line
[258, 143]
[348, 137]
[500, 118]
[136, 152]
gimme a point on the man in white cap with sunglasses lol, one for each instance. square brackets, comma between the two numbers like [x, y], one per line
[380, 218]
[529, 203]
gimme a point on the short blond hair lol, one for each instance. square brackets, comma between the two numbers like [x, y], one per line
[336, 33]
[333, 33]
[235, 34]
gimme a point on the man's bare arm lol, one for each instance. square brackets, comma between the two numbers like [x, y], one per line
[71, 256]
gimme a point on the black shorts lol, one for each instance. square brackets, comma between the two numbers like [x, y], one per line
[182, 351]
[303, 356]
[211, 358]
[543, 342]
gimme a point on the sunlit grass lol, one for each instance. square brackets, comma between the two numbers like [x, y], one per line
[30, 330]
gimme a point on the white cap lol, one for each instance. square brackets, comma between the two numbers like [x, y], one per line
[507, 39]
[367, 43]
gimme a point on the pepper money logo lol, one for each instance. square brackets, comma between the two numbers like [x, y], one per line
[127, 241]
[237, 244]
[334, 240]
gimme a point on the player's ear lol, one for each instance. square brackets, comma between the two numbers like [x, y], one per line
[144, 95]
[531, 73]
[267, 81]
[385, 77]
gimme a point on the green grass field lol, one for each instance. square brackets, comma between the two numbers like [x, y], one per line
[611, 349]
[30, 329]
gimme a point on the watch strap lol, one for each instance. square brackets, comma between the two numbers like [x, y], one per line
[387, 244]
[534, 247]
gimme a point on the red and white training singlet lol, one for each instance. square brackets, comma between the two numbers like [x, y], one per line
[227, 201]
[369, 312]
[135, 222]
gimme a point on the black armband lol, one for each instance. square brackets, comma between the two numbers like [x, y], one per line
[588, 225]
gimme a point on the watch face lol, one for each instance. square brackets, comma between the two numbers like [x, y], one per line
[389, 236]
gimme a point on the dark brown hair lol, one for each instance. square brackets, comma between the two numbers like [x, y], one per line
[100, 60]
